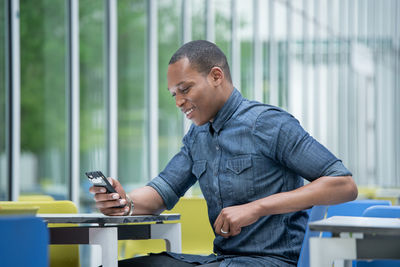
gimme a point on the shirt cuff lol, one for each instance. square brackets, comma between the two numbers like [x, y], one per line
[165, 190]
[337, 169]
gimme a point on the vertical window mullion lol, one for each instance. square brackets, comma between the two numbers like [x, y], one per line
[73, 99]
[273, 57]
[152, 81]
[13, 100]
[257, 55]
[235, 44]
[111, 86]
[305, 109]
[186, 37]
[210, 20]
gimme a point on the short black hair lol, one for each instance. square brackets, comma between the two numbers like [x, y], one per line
[203, 56]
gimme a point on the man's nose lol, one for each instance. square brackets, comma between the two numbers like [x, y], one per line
[179, 101]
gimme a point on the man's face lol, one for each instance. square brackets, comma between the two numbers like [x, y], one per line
[194, 92]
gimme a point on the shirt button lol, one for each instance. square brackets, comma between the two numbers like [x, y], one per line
[217, 147]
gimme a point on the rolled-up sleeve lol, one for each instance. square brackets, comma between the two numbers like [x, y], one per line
[285, 141]
[173, 182]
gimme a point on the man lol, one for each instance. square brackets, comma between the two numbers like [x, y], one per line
[249, 159]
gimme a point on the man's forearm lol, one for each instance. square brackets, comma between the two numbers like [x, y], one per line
[146, 201]
[323, 191]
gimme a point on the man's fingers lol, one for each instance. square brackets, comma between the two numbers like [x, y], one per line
[110, 203]
[97, 190]
[106, 197]
[115, 211]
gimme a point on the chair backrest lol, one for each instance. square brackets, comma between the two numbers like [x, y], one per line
[60, 255]
[197, 234]
[35, 198]
[61, 206]
[354, 208]
[314, 214]
[382, 211]
[24, 241]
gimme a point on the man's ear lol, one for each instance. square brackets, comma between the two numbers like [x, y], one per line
[216, 75]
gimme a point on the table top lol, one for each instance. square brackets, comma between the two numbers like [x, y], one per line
[103, 219]
[367, 225]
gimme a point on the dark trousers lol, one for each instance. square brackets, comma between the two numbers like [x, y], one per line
[160, 260]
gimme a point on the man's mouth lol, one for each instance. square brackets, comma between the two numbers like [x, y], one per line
[188, 112]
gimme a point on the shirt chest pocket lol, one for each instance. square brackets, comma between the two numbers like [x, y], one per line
[198, 169]
[240, 178]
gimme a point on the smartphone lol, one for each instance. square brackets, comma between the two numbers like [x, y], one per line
[98, 179]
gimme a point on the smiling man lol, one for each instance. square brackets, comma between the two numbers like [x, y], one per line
[249, 159]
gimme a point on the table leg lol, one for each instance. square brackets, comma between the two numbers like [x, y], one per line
[107, 238]
[171, 233]
[323, 251]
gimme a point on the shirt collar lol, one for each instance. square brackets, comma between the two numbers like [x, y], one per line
[225, 113]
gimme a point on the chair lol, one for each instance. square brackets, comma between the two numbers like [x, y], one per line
[197, 234]
[315, 213]
[35, 198]
[24, 241]
[354, 208]
[60, 255]
[382, 212]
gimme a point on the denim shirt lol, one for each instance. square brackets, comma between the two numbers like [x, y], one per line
[250, 151]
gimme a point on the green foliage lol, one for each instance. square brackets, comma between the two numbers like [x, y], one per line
[43, 111]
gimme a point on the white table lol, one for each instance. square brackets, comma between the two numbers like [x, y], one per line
[354, 238]
[98, 229]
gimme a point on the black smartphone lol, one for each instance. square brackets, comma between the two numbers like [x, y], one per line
[98, 179]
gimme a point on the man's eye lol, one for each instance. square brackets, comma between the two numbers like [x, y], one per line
[184, 91]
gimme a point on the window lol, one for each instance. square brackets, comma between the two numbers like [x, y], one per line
[198, 19]
[3, 128]
[43, 94]
[170, 117]
[92, 93]
[245, 33]
[132, 136]
[223, 30]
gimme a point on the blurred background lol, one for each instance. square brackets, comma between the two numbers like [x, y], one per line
[83, 84]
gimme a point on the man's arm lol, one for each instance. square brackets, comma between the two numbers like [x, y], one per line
[146, 200]
[326, 190]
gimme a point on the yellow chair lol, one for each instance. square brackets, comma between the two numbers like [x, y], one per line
[60, 255]
[197, 234]
[35, 198]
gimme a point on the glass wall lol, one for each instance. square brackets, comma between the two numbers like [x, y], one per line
[170, 117]
[198, 19]
[43, 97]
[132, 136]
[3, 128]
[245, 36]
[223, 31]
[92, 92]
[333, 64]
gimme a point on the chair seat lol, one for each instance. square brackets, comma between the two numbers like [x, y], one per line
[24, 241]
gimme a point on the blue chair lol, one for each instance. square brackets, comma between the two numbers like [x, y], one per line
[382, 212]
[315, 213]
[354, 208]
[24, 242]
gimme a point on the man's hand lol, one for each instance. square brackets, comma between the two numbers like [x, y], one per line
[231, 219]
[109, 204]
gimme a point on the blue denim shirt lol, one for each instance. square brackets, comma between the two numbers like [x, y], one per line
[250, 151]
